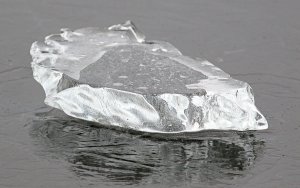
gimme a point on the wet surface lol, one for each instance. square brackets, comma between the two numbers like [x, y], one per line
[254, 41]
[135, 158]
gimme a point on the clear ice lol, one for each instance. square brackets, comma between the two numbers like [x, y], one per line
[115, 77]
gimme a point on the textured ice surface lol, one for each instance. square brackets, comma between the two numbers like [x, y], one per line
[116, 77]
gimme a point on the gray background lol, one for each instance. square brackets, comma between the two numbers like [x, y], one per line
[257, 41]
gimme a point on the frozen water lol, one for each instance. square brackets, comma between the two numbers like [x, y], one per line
[116, 77]
[143, 72]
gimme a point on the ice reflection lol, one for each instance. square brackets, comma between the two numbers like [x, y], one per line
[98, 154]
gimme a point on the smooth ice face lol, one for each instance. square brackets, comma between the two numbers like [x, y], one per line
[115, 77]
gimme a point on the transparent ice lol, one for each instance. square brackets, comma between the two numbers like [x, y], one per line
[115, 77]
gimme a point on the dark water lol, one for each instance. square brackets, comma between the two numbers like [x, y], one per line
[100, 155]
[255, 41]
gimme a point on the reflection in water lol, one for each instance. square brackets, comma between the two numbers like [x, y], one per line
[98, 154]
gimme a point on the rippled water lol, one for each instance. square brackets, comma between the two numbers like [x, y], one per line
[254, 41]
[98, 154]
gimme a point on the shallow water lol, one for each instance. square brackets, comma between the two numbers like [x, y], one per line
[254, 41]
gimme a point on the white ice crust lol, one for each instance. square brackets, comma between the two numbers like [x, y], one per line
[196, 96]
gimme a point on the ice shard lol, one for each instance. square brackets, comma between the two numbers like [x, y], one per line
[115, 77]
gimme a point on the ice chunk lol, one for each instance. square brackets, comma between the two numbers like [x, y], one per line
[116, 77]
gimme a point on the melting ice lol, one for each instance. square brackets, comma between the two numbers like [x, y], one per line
[115, 77]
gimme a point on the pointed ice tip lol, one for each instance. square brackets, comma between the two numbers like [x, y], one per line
[130, 27]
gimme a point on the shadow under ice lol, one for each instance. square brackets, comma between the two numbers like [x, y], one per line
[97, 153]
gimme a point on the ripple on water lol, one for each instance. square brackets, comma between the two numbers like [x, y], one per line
[96, 153]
